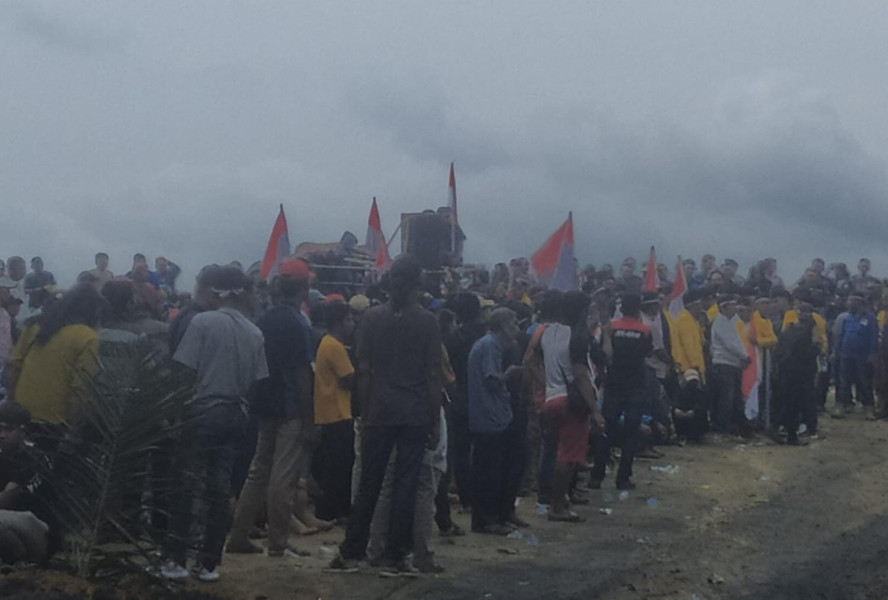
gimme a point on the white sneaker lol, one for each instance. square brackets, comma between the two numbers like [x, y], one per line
[171, 570]
[204, 574]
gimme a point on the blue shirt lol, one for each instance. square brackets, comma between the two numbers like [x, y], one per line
[288, 350]
[859, 336]
[489, 411]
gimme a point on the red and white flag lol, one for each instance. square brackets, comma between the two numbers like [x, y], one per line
[278, 247]
[651, 277]
[376, 243]
[675, 300]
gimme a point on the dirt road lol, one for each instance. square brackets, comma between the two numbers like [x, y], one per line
[756, 521]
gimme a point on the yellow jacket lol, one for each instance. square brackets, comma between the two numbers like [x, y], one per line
[687, 344]
[792, 316]
[712, 312]
[764, 331]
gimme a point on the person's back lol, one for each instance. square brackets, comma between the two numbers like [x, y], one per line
[51, 375]
[632, 342]
[400, 347]
[227, 352]
[288, 348]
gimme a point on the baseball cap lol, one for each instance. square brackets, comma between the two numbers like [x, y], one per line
[295, 268]
[691, 375]
[359, 303]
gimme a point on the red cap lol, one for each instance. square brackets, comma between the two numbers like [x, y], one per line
[295, 268]
[331, 298]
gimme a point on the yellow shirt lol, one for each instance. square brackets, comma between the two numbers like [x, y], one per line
[687, 344]
[712, 312]
[332, 402]
[52, 379]
[792, 316]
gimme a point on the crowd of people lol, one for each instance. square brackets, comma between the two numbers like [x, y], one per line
[385, 411]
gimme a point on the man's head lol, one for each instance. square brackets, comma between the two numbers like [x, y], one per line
[16, 268]
[727, 305]
[715, 278]
[293, 281]
[551, 305]
[466, 306]
[101, 261]
[650, 303]
[503, 323]
[689, 267]
[856, 303]
[763, 306]
[811, 276]
[139, 259]
[232, 289]
[119, 294]
[806, 314]
[662, 272]
[692, 303]
[405, 279]
[729, 268]
[627, 268]
[630, 305]
[707, 263]
[781, 300]
[575, 308]
[203, 289]
[339, 320]
[818, 265]
[863, 267]
[37, 264]
[13, 419]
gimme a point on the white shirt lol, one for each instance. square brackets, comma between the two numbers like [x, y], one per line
[556, 358]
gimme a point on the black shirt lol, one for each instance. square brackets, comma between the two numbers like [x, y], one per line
[399, 350]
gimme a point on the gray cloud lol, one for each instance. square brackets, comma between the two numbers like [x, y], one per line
[692, 129]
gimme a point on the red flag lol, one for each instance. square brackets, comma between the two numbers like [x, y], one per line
[451, 199]
[679, 287]
[555, 263]
[278, 247]
[376, 243]
[651, 277]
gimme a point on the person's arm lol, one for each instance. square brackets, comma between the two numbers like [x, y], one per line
[873, 338]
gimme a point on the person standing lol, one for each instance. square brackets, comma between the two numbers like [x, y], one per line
[282, 406]
[490, 414]
[631, 343]
[857, 346]
[688, 342]
[333, 383]
[566, 357]
[226, 353]
[399, 390]
[40, 285]
[101, 274]
[796, 358]
[729, 359]
[16, 271]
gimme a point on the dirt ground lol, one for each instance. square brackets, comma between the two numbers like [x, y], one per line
[736, 521]
[755, 521]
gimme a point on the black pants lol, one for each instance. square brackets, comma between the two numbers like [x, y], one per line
[377, 442]
[332, 469]
[628, 404]
[797, 398]
[516, 458]
[856, 372]
[691, 428]
[727, 398]
[206, 457]
[490, 479]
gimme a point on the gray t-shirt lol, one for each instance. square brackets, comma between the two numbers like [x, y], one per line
[226, 350]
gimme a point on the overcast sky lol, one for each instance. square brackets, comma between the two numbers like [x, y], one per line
[747, 129]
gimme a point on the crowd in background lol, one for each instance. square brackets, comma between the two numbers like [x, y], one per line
[386, 411]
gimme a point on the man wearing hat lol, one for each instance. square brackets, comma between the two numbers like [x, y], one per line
[283, 407]
[729, 359]
[857, 345]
